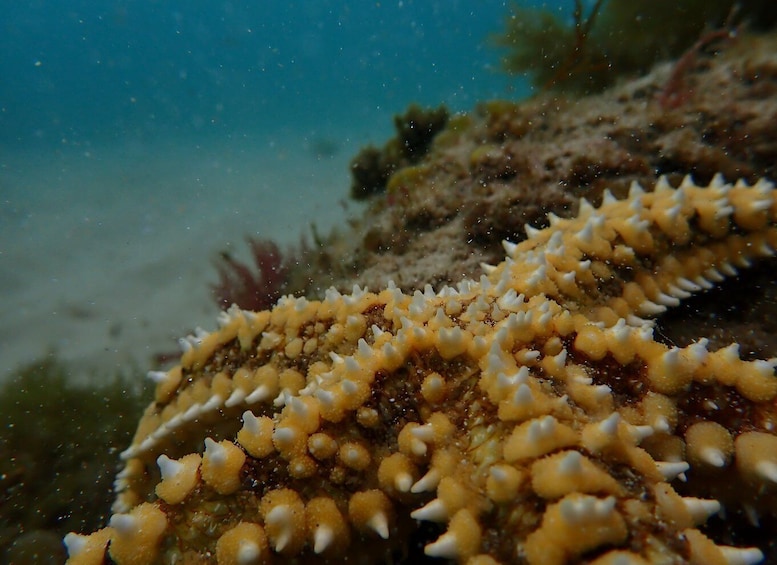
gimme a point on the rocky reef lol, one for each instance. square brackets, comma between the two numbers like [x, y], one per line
[507, 164]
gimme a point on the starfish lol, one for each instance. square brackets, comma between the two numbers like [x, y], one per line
[529, 416]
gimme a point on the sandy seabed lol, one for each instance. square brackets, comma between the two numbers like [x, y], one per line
[106, 253]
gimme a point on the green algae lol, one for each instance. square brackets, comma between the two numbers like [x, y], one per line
[59, 450]
[415, 131]
[612, 38]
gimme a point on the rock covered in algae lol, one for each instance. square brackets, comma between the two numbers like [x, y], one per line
[510, 163]
[530, 414]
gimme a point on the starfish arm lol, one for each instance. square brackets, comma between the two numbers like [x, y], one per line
[530, 415]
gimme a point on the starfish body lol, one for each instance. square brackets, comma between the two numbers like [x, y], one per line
[530, 414]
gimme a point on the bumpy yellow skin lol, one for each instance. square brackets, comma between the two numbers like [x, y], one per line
[531, 414]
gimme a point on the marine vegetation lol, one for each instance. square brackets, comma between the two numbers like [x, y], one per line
[58, 450]
[613, 37]
[507, 163]
[252, 288]
[415, 130]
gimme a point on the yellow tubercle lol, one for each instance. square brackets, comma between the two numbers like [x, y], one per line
[757, 381]
[221, 465]
[442, 427]
[538, 437]
[567, 472]
[524, 402]
[250, 326]
[452, 342]
[573, 526]
[322, 446]
[397, 474]
[291, 380]
[302, 467]
[167, 387]
[179, 477]
[461, 540]
[265, 380]
[679, 512]
[328, 531]
[302, 413]
[256, 435]
[354, 456]
[504, 482]
[355, 327]
[409, 443]
[243, 379]
[289, 440]
[368, 418]
[87, 549]
[284, 520]
[703, 551]
[371, 511]
[222, 385]
[709, 218]
[708, 444]
[194, 357]
[594, 398]
[243, 544]
[591, 340]
[634, 234]
[749, 214]
[756, 457]
[293, 348]
[136, 535]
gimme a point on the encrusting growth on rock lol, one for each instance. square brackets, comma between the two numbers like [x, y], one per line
[531, 414]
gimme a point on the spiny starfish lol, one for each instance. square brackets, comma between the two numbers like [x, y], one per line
[531, 413]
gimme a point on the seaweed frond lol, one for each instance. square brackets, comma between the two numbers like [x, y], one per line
[415, 130]
[589, 49]
[252, 288]
[59, 452]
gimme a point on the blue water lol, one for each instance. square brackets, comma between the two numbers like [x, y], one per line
[84, 71]
[140, 138]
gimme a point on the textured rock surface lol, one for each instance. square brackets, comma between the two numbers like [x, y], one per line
[506, 165]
